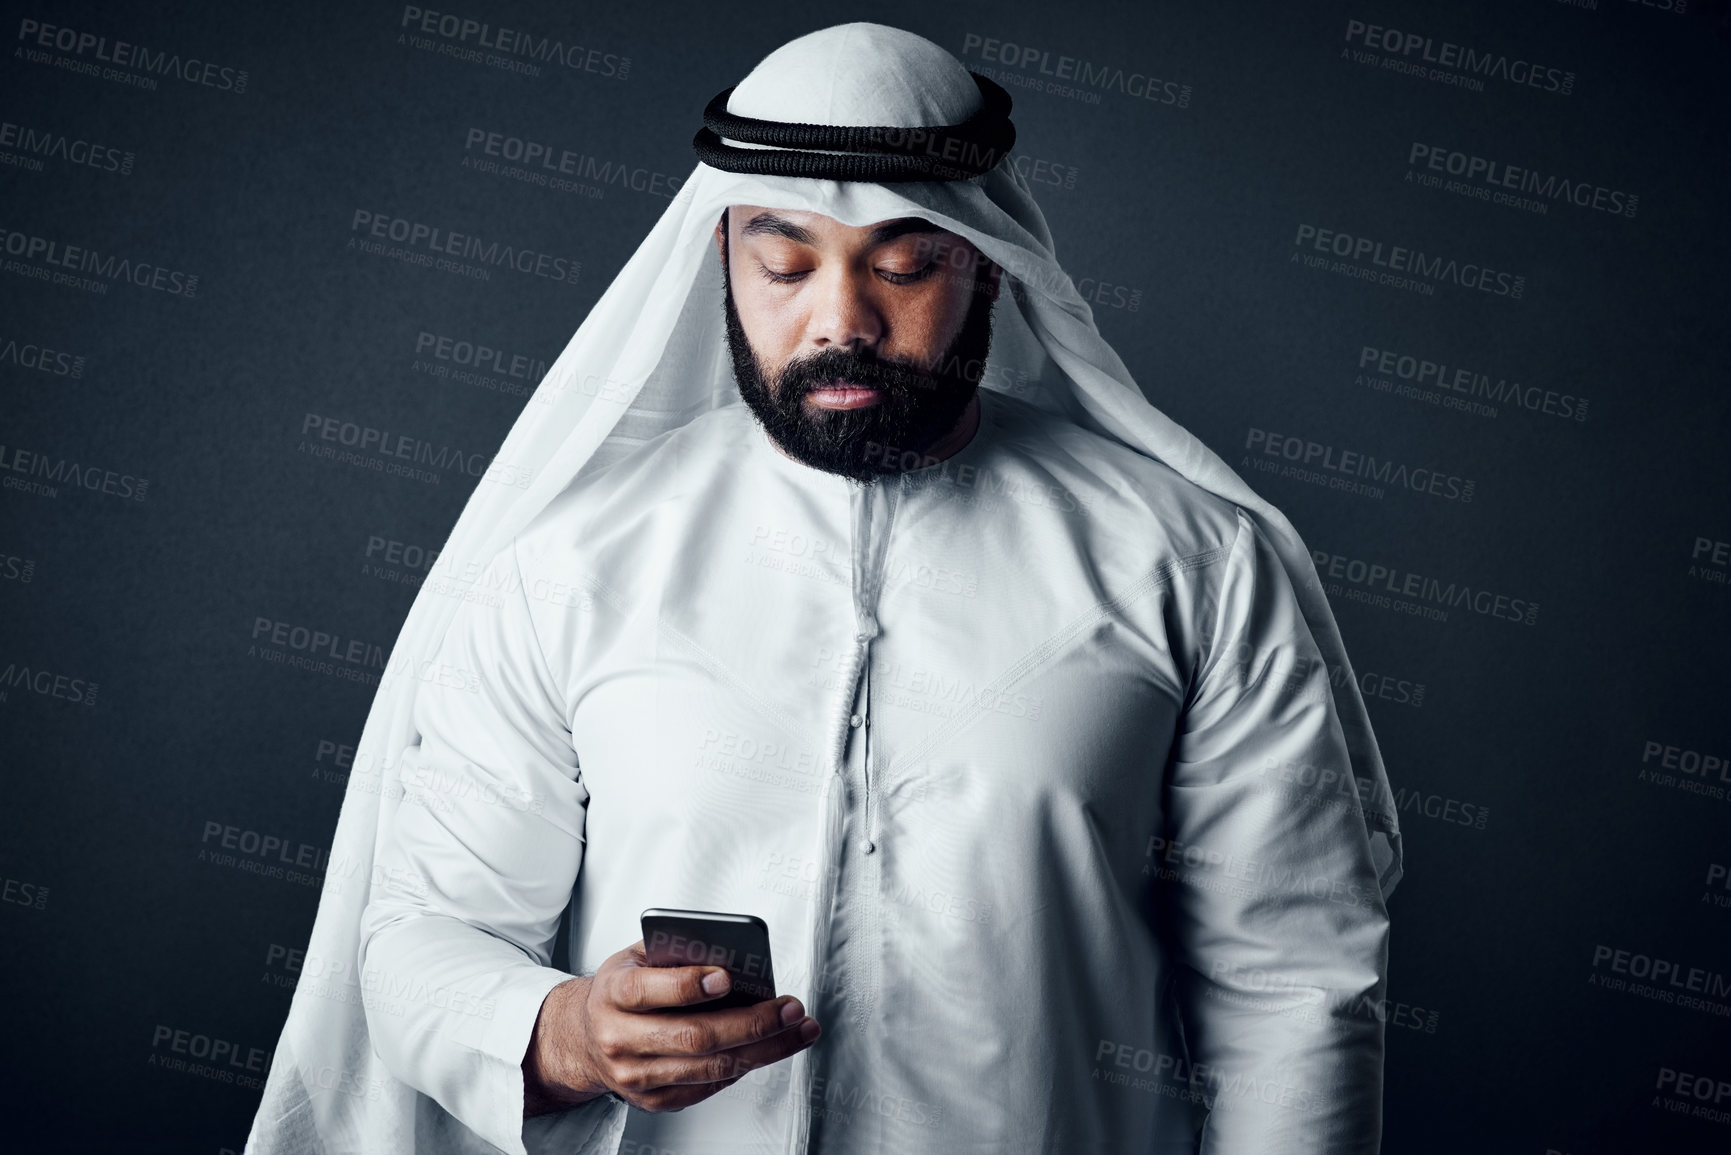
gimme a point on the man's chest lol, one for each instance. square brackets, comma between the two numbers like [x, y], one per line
[726, 678]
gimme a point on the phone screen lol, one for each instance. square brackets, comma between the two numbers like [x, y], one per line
[738, 943]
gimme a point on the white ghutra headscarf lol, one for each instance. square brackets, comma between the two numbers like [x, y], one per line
[651, 356]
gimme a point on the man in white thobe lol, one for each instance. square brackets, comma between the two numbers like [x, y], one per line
[1017, 739]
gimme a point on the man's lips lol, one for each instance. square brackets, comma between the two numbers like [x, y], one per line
[845, 396]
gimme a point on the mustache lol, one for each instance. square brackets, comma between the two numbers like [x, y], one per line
[819, 370]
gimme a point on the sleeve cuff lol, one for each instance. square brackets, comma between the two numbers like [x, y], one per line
[499, 1045]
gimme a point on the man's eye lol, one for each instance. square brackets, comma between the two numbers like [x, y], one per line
[894, 278]
[909, 278]
[779, 278]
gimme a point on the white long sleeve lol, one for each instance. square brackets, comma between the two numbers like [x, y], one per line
[1275, 909]
[469, 888]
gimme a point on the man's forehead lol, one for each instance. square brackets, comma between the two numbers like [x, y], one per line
[809, 228]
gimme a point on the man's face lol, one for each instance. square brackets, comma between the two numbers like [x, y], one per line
[854, 346]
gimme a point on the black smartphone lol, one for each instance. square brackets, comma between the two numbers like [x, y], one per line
[738, 943]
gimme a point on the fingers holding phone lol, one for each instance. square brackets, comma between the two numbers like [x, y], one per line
[690, 1034]
[644, 1033]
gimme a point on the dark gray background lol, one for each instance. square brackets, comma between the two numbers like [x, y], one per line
[1500, 1037]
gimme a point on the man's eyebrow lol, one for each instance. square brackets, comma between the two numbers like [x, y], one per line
[772, 224]
[901, 227]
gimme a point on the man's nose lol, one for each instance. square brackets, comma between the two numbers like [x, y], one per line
[843, 313]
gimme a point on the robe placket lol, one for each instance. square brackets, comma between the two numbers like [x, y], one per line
[873, 508]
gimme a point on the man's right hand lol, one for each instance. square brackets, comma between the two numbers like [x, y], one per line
[608, 1032]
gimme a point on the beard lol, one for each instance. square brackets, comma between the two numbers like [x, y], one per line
[916, 406]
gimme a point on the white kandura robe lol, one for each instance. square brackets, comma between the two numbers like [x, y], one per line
[1028, 760]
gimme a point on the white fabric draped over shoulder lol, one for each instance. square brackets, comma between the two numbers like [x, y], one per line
[652, 356]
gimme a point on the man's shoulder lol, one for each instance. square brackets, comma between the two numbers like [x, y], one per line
[632, 484]
[1120, 491]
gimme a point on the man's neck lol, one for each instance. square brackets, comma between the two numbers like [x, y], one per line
[942, 449]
